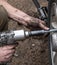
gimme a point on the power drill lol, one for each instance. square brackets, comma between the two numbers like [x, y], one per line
[9, 37]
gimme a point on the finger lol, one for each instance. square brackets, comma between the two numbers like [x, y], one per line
[8, 59]
[9, 56]
[9, 52]
[8, 47]
[43, 26]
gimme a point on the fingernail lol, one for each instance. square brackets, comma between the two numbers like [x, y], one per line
[47, 28]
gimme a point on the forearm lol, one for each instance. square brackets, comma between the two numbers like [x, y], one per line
[22, 17]
[15, 13]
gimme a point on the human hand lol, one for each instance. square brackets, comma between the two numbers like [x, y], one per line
[22, 17]
[6, 53]
[35, 22]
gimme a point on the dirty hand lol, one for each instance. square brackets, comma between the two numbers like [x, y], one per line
[22, 17]
[6, 53]
[35, 22]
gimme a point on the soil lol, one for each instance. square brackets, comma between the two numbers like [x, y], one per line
[34, 50]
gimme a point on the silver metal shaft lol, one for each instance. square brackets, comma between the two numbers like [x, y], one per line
[42, 32]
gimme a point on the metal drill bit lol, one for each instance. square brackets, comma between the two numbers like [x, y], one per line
[38, 32]
[53, 30]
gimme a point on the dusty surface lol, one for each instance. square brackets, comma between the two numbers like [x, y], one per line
[32, 51]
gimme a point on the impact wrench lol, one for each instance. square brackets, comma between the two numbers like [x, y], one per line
[9, 37]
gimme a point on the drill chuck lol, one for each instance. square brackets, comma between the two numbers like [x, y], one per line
[20, 34]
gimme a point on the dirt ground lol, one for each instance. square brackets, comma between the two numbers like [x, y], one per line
[34, 50]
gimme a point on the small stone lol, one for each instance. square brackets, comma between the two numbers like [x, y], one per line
[33, 45]
[16, 55]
